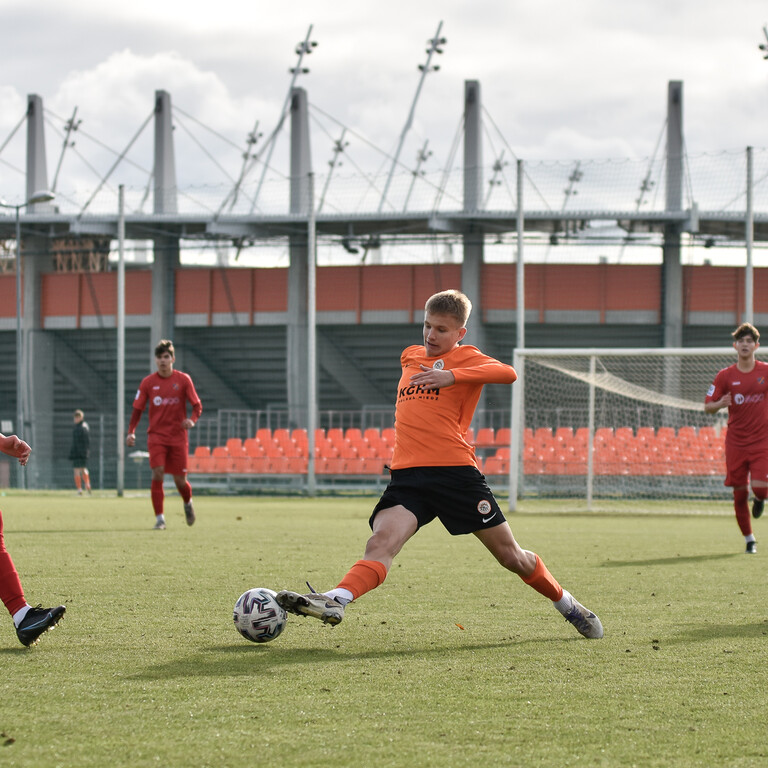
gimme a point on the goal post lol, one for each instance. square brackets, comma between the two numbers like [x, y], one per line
[616, 424]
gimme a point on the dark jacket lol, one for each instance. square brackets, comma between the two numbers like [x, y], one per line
[81, 442]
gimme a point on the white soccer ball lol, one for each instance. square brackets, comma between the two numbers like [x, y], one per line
[258, 616]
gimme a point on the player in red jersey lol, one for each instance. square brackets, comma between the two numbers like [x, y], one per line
[742, 389]
[167, 393]
[434, 473]
[30, 622]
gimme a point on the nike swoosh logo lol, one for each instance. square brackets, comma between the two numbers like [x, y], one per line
[486, 519]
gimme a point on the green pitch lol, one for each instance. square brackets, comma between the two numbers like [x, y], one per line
[452, 662]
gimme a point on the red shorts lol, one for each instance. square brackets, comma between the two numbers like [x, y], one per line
[745, 463]
[172, 457]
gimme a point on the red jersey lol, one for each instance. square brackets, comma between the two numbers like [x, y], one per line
[167, 400]
[431, 425]
[748, 413]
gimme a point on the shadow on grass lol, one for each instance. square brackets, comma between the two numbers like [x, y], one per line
[707, 632]
[236, 660]
[72, 531]
[677, 560]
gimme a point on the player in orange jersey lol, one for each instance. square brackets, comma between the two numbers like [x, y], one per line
[167, 393]
[30, 622]
[742, 388]
[434, 473]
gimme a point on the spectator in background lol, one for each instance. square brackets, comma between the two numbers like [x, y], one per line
[80, 451]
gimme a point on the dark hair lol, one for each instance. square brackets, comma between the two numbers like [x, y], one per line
[746, 329]
[163, 346]
[451, 302]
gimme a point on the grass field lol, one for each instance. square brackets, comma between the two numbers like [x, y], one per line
[147, 668]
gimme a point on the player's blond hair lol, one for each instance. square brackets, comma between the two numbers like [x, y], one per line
[451, 302]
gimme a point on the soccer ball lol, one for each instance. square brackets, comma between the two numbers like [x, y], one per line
[258, 616]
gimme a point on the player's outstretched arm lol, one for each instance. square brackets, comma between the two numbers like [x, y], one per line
[13, 446]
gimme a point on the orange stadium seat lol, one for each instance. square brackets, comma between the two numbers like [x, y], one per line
[335, 435]
[503, 436]
[485, 437]
[253, 447]
[234, 444]
[200, 460]
[220, 460]
[264, 434]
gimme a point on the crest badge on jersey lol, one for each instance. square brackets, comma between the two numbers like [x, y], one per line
[438, 365]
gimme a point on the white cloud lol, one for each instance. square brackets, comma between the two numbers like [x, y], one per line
[560, 80]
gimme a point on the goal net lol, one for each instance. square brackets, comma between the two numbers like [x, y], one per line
[619, 423]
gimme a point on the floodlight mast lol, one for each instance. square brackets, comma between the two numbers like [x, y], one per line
[764, 46]
[69, 127]
[338, 148]
[434, 47]
[304, 48]
[421, 157]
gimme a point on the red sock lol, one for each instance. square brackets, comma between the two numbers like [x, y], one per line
[364, 576]
[741, 507]
[78, 482]
[186, 492]
[11, 592]
[157, 496]
[544, 582]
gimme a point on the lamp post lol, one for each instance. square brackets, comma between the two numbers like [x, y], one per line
[42, 196]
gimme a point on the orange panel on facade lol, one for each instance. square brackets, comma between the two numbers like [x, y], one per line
[138, 292]
[632, 287]
[714, 289]
[193, 291]
[270, 290]
[338, 288]
[98, 293]
[499, 286]
[231, 290]
[8, 296]
[431, 278]
[59, 295]
[386, 288]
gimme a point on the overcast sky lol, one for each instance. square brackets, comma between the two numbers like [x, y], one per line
[560, 80]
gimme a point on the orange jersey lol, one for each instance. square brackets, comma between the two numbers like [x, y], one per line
[431, 425]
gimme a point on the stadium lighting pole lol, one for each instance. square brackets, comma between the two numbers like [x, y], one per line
[311, 337]
[749, 237]
[121, 341]
[42, 196]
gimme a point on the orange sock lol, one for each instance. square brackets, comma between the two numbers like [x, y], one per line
[78, 482]
[544, 582]
[364, 576]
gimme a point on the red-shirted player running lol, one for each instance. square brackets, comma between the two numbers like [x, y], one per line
[167, 393]
[742, 389]
[434, 472]
[30, 622]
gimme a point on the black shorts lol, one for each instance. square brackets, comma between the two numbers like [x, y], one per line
[458, 496]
